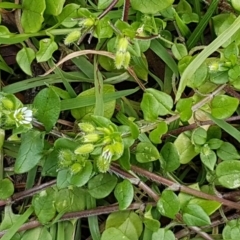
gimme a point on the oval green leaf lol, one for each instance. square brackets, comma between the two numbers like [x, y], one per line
[124, 194]
[102, 185]
[228, 173]
[24, 59]
[48, 107]
[30, 151]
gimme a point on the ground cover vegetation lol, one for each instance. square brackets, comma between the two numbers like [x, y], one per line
[119, 119]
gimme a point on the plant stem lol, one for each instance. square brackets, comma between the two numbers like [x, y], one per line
[178, 187]
[108, 9]
[83, 214]
[126, 10]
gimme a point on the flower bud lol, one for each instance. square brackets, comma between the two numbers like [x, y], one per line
[72, 37]
[7, 103]
[75, 168]
[86, 127]
[126, 60]
[66, 157]
[122, 45]
[90, 138]
[84, 149]
[102, 164]
[119, 58]
[87, 22]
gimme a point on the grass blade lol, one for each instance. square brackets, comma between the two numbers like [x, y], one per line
[90, 100]
[158, 48]
[226, 127]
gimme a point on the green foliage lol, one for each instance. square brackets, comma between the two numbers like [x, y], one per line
[105, 127]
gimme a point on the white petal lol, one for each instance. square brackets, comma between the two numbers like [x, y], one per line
[29, 119]
[24, 122]
[24, 109]
[28, 113]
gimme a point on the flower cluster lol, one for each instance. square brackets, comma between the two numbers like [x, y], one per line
[100, 144]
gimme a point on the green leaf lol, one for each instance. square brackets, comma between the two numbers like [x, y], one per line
[199, 136]
[148, 220]
[208, 206]
[164, 234]
[168, 204]
[37, 233]
[9, 218]
[103, 29]
[124, 194]
[81, 178]
[46, 48]
[231, 230]
[101, 185]
[120, 218]
[43, 204]
[227, 151]
[54, 7]
[6, 188]
[208, 157]
[193, 215]
[185, 148]
[48, 107]
[214, 143]
[228, 173]
[223, 106]
[70, 200]
[109, 107]
[102, 4]
[24, 59]
[212, 47]
[179, 50]
[15, 227]
[32, 15]
[151, 6]
[146, 152]
[30, 151]
[62, 179]
[4, 66]
[51, 165]
[184, 107]
[68, 12]
[199, 77]
[169, 157]
[113, 233]
[156, 134]
[155, 103]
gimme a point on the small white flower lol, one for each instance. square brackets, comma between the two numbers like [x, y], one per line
[23, 116]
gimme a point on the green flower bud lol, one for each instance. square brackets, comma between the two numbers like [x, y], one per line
[7, 103]
[66, 158]
[84, 149]
[86, 127]
[87, 23]
[122, 45]
[72, 37]
[119, 59]
[126, 60]
[103, 165]
[75, 168]
[118, 148]
[90, 138]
